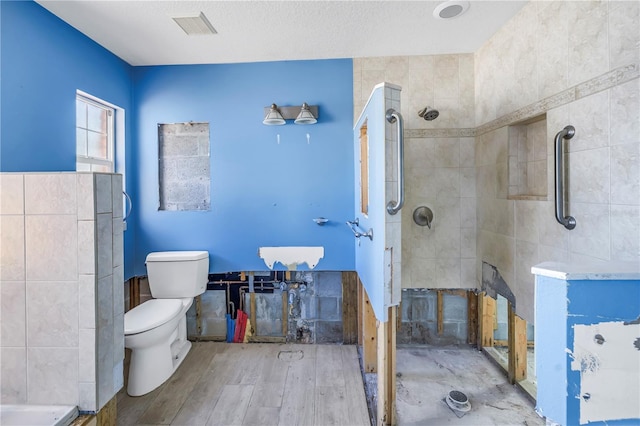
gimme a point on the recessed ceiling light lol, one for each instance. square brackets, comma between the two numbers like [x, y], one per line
[195, 25]
[450, 9]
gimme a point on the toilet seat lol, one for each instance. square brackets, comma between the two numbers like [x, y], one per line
[151, 314]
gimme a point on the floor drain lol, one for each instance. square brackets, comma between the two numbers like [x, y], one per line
[458, 402]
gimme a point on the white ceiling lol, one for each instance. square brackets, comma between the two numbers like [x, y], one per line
[143, 33]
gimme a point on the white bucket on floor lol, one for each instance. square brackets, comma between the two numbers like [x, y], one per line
[36, 415]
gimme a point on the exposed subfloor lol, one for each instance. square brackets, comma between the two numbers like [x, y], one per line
[426, 374]
[255, 384]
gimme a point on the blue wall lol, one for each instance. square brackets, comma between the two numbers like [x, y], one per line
[262, 193]
[44, 61]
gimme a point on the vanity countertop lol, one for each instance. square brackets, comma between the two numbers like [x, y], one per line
[589, 271]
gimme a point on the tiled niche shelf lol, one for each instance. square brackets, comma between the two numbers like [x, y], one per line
[528, 159]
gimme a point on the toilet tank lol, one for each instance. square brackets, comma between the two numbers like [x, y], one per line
[177, 274]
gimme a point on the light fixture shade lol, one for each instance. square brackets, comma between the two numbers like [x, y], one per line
[305, 116]
[273, 118]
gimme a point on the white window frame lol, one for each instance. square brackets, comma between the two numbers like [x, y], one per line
[116, 141]
[109, 161]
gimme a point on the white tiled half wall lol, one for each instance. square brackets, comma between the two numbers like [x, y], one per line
[62, 288]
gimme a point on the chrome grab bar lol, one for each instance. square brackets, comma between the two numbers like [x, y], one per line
[567, 133]
[392, 116]
[126, 216]
[353, 224]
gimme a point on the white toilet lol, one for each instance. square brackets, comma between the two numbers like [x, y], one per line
[156, 330]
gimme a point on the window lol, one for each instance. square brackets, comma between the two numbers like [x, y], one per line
[94, 135]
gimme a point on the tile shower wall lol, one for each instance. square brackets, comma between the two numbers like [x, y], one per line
[444, 82]
[61, 274]
[439, 163]
[578, 62]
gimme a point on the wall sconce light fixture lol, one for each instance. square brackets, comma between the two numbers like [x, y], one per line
[273, 117]
[276, 116]
[305, 116]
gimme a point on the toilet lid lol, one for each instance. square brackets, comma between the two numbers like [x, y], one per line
[151, 314]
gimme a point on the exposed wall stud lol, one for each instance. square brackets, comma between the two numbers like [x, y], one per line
[285, 314]
[486, 314]
[349, 308]
[370, 336]
[198, 300]
[134, 292]
[440, 313]
[360, 315]
[472, 318]
[517, 332]
[386, 404]
[252, 313]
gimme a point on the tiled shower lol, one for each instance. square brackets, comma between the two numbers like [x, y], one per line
[555, 63]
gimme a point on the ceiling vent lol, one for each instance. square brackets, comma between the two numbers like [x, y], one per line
[195, 25]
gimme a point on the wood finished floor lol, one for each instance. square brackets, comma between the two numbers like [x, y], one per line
[255, 384]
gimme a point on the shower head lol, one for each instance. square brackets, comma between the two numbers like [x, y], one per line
[428, 113]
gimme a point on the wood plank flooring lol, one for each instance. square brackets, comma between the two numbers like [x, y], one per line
[255, 384]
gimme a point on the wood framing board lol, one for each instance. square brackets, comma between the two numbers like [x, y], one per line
[517, 332]
[505, 343]
[285, 314]
[440, 310]
[391, 364]
[198, 300]
[211, 338]
[267, 339]
[134, 292]
[370, 336]
[349, 308]
[455, 292]
[360, 315]
[107, 415]
[480, 314]
[252, 313]
[472, 318]
[487, 314]
[364, 170]
[386, 404]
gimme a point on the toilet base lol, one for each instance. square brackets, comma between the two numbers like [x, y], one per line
[150, 368]
[182, 354]
[157, 353]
